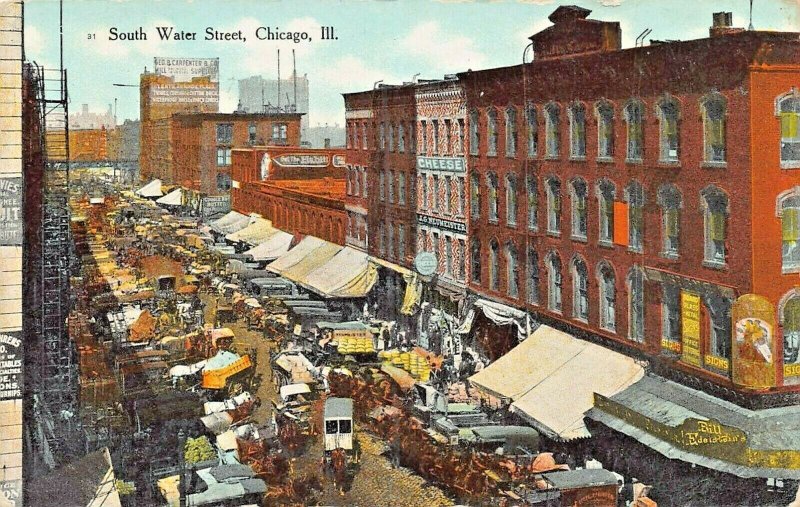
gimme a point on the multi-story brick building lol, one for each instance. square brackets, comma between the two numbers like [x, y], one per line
[161, 96]
[380, 138]
[635, 194]
[441, 179]
[301, 190]
[202, 143]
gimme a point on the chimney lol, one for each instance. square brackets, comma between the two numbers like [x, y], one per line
[85, 108]
[327, 142]
[572, 33]
[723, 25]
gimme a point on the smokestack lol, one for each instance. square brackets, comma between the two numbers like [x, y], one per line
[327, 142]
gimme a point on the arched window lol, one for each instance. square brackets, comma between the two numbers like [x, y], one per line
[552, 138]
[554, 282]
[719, 316]
[713, 109]
[491, 185]
[533, 202]
[577, 131]
[668, 113]
[608, 297]
[382, 136]
[715, 212]
[553, 205]
[605, 201]
[475, 261]
[533, 277]
[790, 319]
[491, 132]
[580, 289]
[474, 136]
[533, 126]
[512, 270]
[494, 265]
[636, 304]
[634, 195]
[474, 196]
[670, 200]
[511, 131]
[578, 205]
[605, 130]
[634, 119]
[511, 200]
[356, 182]
[789, 112]
[789, 213]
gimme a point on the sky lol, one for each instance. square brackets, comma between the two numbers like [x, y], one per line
[389, 40]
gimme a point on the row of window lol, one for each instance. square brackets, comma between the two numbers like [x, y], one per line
[392, 240]
[450, 252]
[398, 137]
[225, 132]
[356, 181]
[627, 230]
[713, 110]
[441, 137]
[393, 187]
[444, 195]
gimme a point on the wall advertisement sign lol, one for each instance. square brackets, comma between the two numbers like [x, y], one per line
[754, 350]
[302, 160]
[184, 69]
[10, 211]
[441, 223]
[182, 94]
[690, 324]
[10, 366]
[450, 164]
[215, 206]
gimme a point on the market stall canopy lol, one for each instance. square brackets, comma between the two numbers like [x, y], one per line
[681, 422]
[500, 314]
[222, 487]
[271, 248]
[551, 379]
[348, 274]
[152, 189]
[310, 254]
[174, 198]
[257, 231]
[231, 222]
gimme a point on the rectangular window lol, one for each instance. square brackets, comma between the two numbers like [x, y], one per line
[363, 181]
[390, 244]
[459, 150]
[789, 108]
[447, 137]
[435, 196]
[448, 195]
[461, 195]
[251, 133]
[223, 156]
[671, 231]
[364, 145]
[423, 145]
[382, 137]
[401, 139]
[401, 242]
[605, 131]
[279, 133]
[475, 197]
[401, 188]
[391, 137]
[435, 136]
[533, 134]
[715, 246]
[492, 184]
[474, 136]
[224, 133]
[424, 203]
[461, 259]
[533, 203]
[382, 187]
[671, 316]
[448, 252]
[391, 187]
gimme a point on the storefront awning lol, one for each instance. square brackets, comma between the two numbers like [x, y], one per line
[271, 248]
[348, 274]
[152, 189]
[231, 222]
[690, 425]
[500, 314]
[551, 377]
[310, 254]
[257, 231]
[174, 198]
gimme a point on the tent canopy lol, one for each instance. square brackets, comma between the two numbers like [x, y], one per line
[271, 248]
[348, 274]
[257, 231]
[174, 198]
[231, 222]
[152, 189]
[551, 378]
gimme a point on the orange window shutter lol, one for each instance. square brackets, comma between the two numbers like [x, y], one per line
[620, 223]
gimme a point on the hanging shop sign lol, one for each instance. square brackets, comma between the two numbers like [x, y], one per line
[10, 211]
[426, 263]
[754, 348]
[690, 325]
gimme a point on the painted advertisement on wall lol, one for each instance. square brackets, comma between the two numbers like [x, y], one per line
[10, 211]
[754, 344]
[690, 325]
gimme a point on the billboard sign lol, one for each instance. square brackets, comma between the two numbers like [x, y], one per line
[10, 211]
[185, 69]
[10, 366]
[690, 320]
[215, 206]
[183, 94]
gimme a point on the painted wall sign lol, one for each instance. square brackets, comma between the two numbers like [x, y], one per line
[10, 211]
[690, 323]
[754, 350]
[441, 223]
[302, 160]
[339, 161]
[10, 366]
[182, 94]
[215, 205]
[184, 69]
[454, 164]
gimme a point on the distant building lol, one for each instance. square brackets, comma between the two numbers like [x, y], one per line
[199, 145]
[316, 136]
[85, 120]
[300, 190]
[178, 86]
[255, 93]
[123, 141]
[88, 145]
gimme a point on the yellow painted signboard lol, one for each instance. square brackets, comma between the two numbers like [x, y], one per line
[690, 323]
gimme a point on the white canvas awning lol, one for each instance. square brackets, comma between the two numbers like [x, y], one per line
[257, 231]
[348, 274]
[271, 248]
[302, 250]
[231, 222]
[152, 189]
[551, 377]
[174, 198]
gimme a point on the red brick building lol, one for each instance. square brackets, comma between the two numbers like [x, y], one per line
[202, 144]
[300, 190]
[379, 135]
[634, 195]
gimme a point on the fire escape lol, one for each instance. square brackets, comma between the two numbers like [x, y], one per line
[56, 399]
